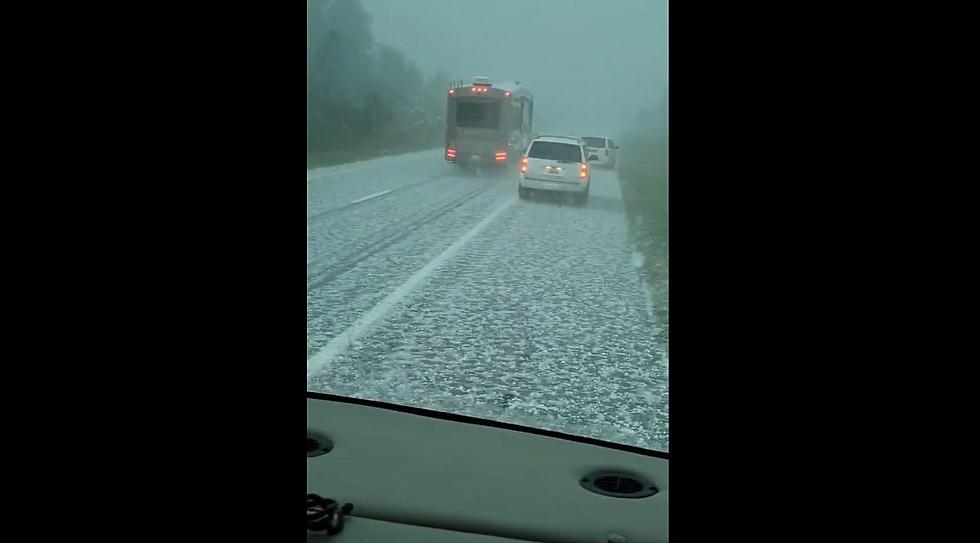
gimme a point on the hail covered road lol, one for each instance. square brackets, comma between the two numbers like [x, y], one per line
[436, 287]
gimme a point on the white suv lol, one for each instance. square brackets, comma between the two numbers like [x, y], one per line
[602, 148]
[555, 163]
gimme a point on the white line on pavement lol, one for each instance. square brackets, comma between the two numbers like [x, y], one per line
[338, 345]
[368, 197]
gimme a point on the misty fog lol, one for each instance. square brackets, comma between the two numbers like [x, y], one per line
[497, 283]
[591, 65]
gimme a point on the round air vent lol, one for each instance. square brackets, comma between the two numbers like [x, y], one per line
[317, 445]
[618, 484]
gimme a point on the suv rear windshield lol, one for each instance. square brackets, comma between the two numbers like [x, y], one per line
[595, 142]
[478, 114]
[552, 150]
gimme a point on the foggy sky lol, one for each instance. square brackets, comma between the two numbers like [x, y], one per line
[590, 64]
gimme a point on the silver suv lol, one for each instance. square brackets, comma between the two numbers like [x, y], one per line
[603, 149]
[555, 163]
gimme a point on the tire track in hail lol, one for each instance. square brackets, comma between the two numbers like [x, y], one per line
[321, 214]
[387, 239]
[325, 241]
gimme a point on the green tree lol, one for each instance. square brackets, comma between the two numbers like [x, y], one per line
[364, 97]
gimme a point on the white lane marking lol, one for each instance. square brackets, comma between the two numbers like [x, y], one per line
[368, 197]
[338, 345]
[331, 174]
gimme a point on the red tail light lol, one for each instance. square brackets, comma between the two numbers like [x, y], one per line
[583, 170]
[452, 91]
[500, 156]
[523, 164]
[450, 153]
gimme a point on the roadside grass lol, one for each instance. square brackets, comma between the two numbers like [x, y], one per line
[643, 172]
[318, 158]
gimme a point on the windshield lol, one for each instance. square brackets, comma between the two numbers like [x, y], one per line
[595, 142]
[477, 114]
[549, 150]
[446, 272]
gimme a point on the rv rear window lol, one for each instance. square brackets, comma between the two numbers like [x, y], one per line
[478, 114]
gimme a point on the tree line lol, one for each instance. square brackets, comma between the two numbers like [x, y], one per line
[362, 95]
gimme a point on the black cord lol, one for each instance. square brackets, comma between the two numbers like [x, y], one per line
[324, 514]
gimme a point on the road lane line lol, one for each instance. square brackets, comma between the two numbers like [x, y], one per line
[326, 212]
[331, 174]
[338, 345]
[368, 197]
